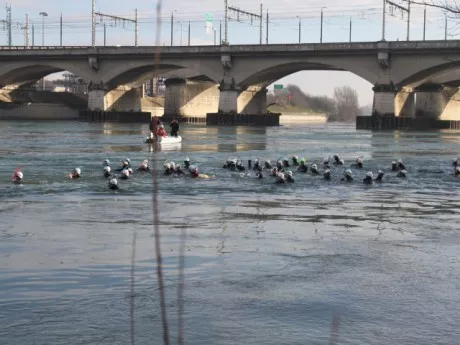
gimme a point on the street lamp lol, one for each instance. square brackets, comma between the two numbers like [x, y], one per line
[300, 29]
[43, 14]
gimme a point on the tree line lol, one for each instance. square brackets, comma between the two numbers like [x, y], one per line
[343, 106]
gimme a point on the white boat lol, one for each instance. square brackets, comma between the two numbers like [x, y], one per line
[164, 140]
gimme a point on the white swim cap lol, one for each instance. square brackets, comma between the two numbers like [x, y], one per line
[289, 172]
[20, 175]
[280, 176]
[327, 171]
[125, 173]
[359, 159]
[187, 159]
[106, 162]
[77, 171]
[403, 172]
[456, 169]
[173, 165]
[399, 160]
[107, 169]
[348, 172]
[314, 166]
[113, 181]
[380, 172]
[167, 166]
[369, 174]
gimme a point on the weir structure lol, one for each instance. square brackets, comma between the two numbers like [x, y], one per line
[417, 80]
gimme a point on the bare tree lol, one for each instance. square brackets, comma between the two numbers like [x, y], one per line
[447, 5]
[346, 99]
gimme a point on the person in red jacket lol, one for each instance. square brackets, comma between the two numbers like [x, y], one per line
[161, 131]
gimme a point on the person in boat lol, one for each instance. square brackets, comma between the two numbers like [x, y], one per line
[369, 179]
[314, 169]
[174, 128]
[107, 171]
[326, 163]
[359, 163]
[187, 163]
[402, 174]
[401, 165]
[295, 161]
[17, 177]
[394, 166]
[280, 178]
[106, 163]
[76, 174]
[303, 168]
[289, 177]
[113, 183]
[457, 172]
[268, 164]
[179, 170]
[380, 175]
[161, 132]
[455, 162]
[144, 166]
[327, 174]
[124, 175]
[347, 176]
[286, 163]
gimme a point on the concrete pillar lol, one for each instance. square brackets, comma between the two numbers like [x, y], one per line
[405, 103]
[253, 101]
[120, 99]
[429, 101]
[190, 99]
[384, 100]
[452, 109]
[228, 98]
[96, 96]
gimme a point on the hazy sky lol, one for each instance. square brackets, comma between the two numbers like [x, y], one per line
[366, 17]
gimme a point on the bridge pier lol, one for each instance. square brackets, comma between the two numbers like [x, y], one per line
[190, 99]
[228, 99]
[452, 109]
[384, 100]
[429, 101]
[405, 104]
[252, 101]
[123, 98]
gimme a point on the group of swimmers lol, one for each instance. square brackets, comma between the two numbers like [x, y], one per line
[283, 173]
[281, 170]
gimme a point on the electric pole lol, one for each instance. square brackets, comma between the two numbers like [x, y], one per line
[93, 20]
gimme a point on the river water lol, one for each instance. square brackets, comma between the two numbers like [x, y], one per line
[312, 262]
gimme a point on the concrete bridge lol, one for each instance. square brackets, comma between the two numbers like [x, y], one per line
[409, 78]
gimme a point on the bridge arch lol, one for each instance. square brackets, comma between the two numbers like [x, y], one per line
[20, 73]
[446, 73]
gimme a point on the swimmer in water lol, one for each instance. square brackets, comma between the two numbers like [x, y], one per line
[257, 165]
[130, 171]
[268, 164]
[107, 171]
[124, 165]
[113, 184]
[144, 166]
[179, 170]
[172, 166]
[76, 173]
[187, 163]
[380, 175]
[402, 174]
[455, 162]
[314, 169]
[327, 174]
[303, 168]
[359, 162]
[239, 166]
[167, 169]
[106, 163]
[457, 172]
[326, 163]
[280, 178]
[274, 171]
[195, 174]
[17, 177]
[289, 177]
[124, 174]
[401, 165]
[369, 178]
[347, 176]
[295, 161]
[394, 166]
[259, 174]
[286, 163]
[279, 165]
[338, 160]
